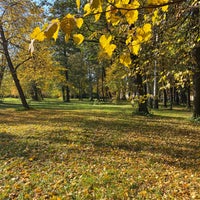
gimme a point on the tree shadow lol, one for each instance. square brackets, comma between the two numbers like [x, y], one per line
[158, 138]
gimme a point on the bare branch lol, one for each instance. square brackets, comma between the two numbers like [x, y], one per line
[18, 65]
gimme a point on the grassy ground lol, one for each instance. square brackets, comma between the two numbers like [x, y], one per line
[91, 151]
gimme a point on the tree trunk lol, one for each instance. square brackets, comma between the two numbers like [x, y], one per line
[36, 93]
[12, 69]
[176, 96]
[171, 97]
[103, 74]
[165, 98]
[63, 93]
[142, 105]
[188, 97]
[196, 81]
[2, 69]
[67, 90]
[155, 87]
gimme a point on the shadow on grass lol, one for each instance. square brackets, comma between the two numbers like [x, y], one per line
[159, 139]
[10, 105]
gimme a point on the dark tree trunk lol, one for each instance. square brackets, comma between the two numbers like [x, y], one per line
[176, 96]
[183, 96]
[67, 90]
[2, 70]
[196, 81]
[103, 74]
[12, 69]
[171, 97]
[63, 93]
[165, 98]
[188, 97]
[36, 93]
[142, 105]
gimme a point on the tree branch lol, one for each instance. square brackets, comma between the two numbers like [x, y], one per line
[18, 65]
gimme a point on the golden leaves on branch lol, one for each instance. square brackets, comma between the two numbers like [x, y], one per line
[68, 24]
[122, 8]
[94, 7]
[125, 59]
[136, 37]
[117, 12]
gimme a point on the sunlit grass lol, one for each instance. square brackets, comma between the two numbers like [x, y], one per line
[87, 150]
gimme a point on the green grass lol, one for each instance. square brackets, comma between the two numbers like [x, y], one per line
[84, 150]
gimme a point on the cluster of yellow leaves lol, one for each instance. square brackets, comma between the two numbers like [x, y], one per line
[142, 34]
[124, 8]
[67, 25]
[106, 48]
[125, 59]
[116, 12]
[95, 7]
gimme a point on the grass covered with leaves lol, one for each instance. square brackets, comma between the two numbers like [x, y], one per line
[87, 151]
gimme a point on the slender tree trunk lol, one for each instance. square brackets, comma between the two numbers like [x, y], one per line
[196, 81]
[176, 97]
[90, 86]
[149, 100]
[103, 73]
[155, 87]
[12, 69]
[142, 104]
[2, 70]
[67, 90]
[171, 97]
[63, 93]
[165, 98]
[188, 97]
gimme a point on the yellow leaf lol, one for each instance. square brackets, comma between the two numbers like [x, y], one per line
[111, 16]
[31, 158]
[155, 17]
[143, 34]
[87, 9]
[97, 13]
[164, 8]
[104, 41]
[110, 50]
[135, 47]
[143, 193]
[106, 47]
[26, 196]
[79, 22]
[78, 38]
[132, 16]
[67, 36]
[53, 29]
[37, 34]
[125, 59]
[68, 23]
[78, 4]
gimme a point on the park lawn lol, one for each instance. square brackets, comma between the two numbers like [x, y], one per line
[97, 151]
